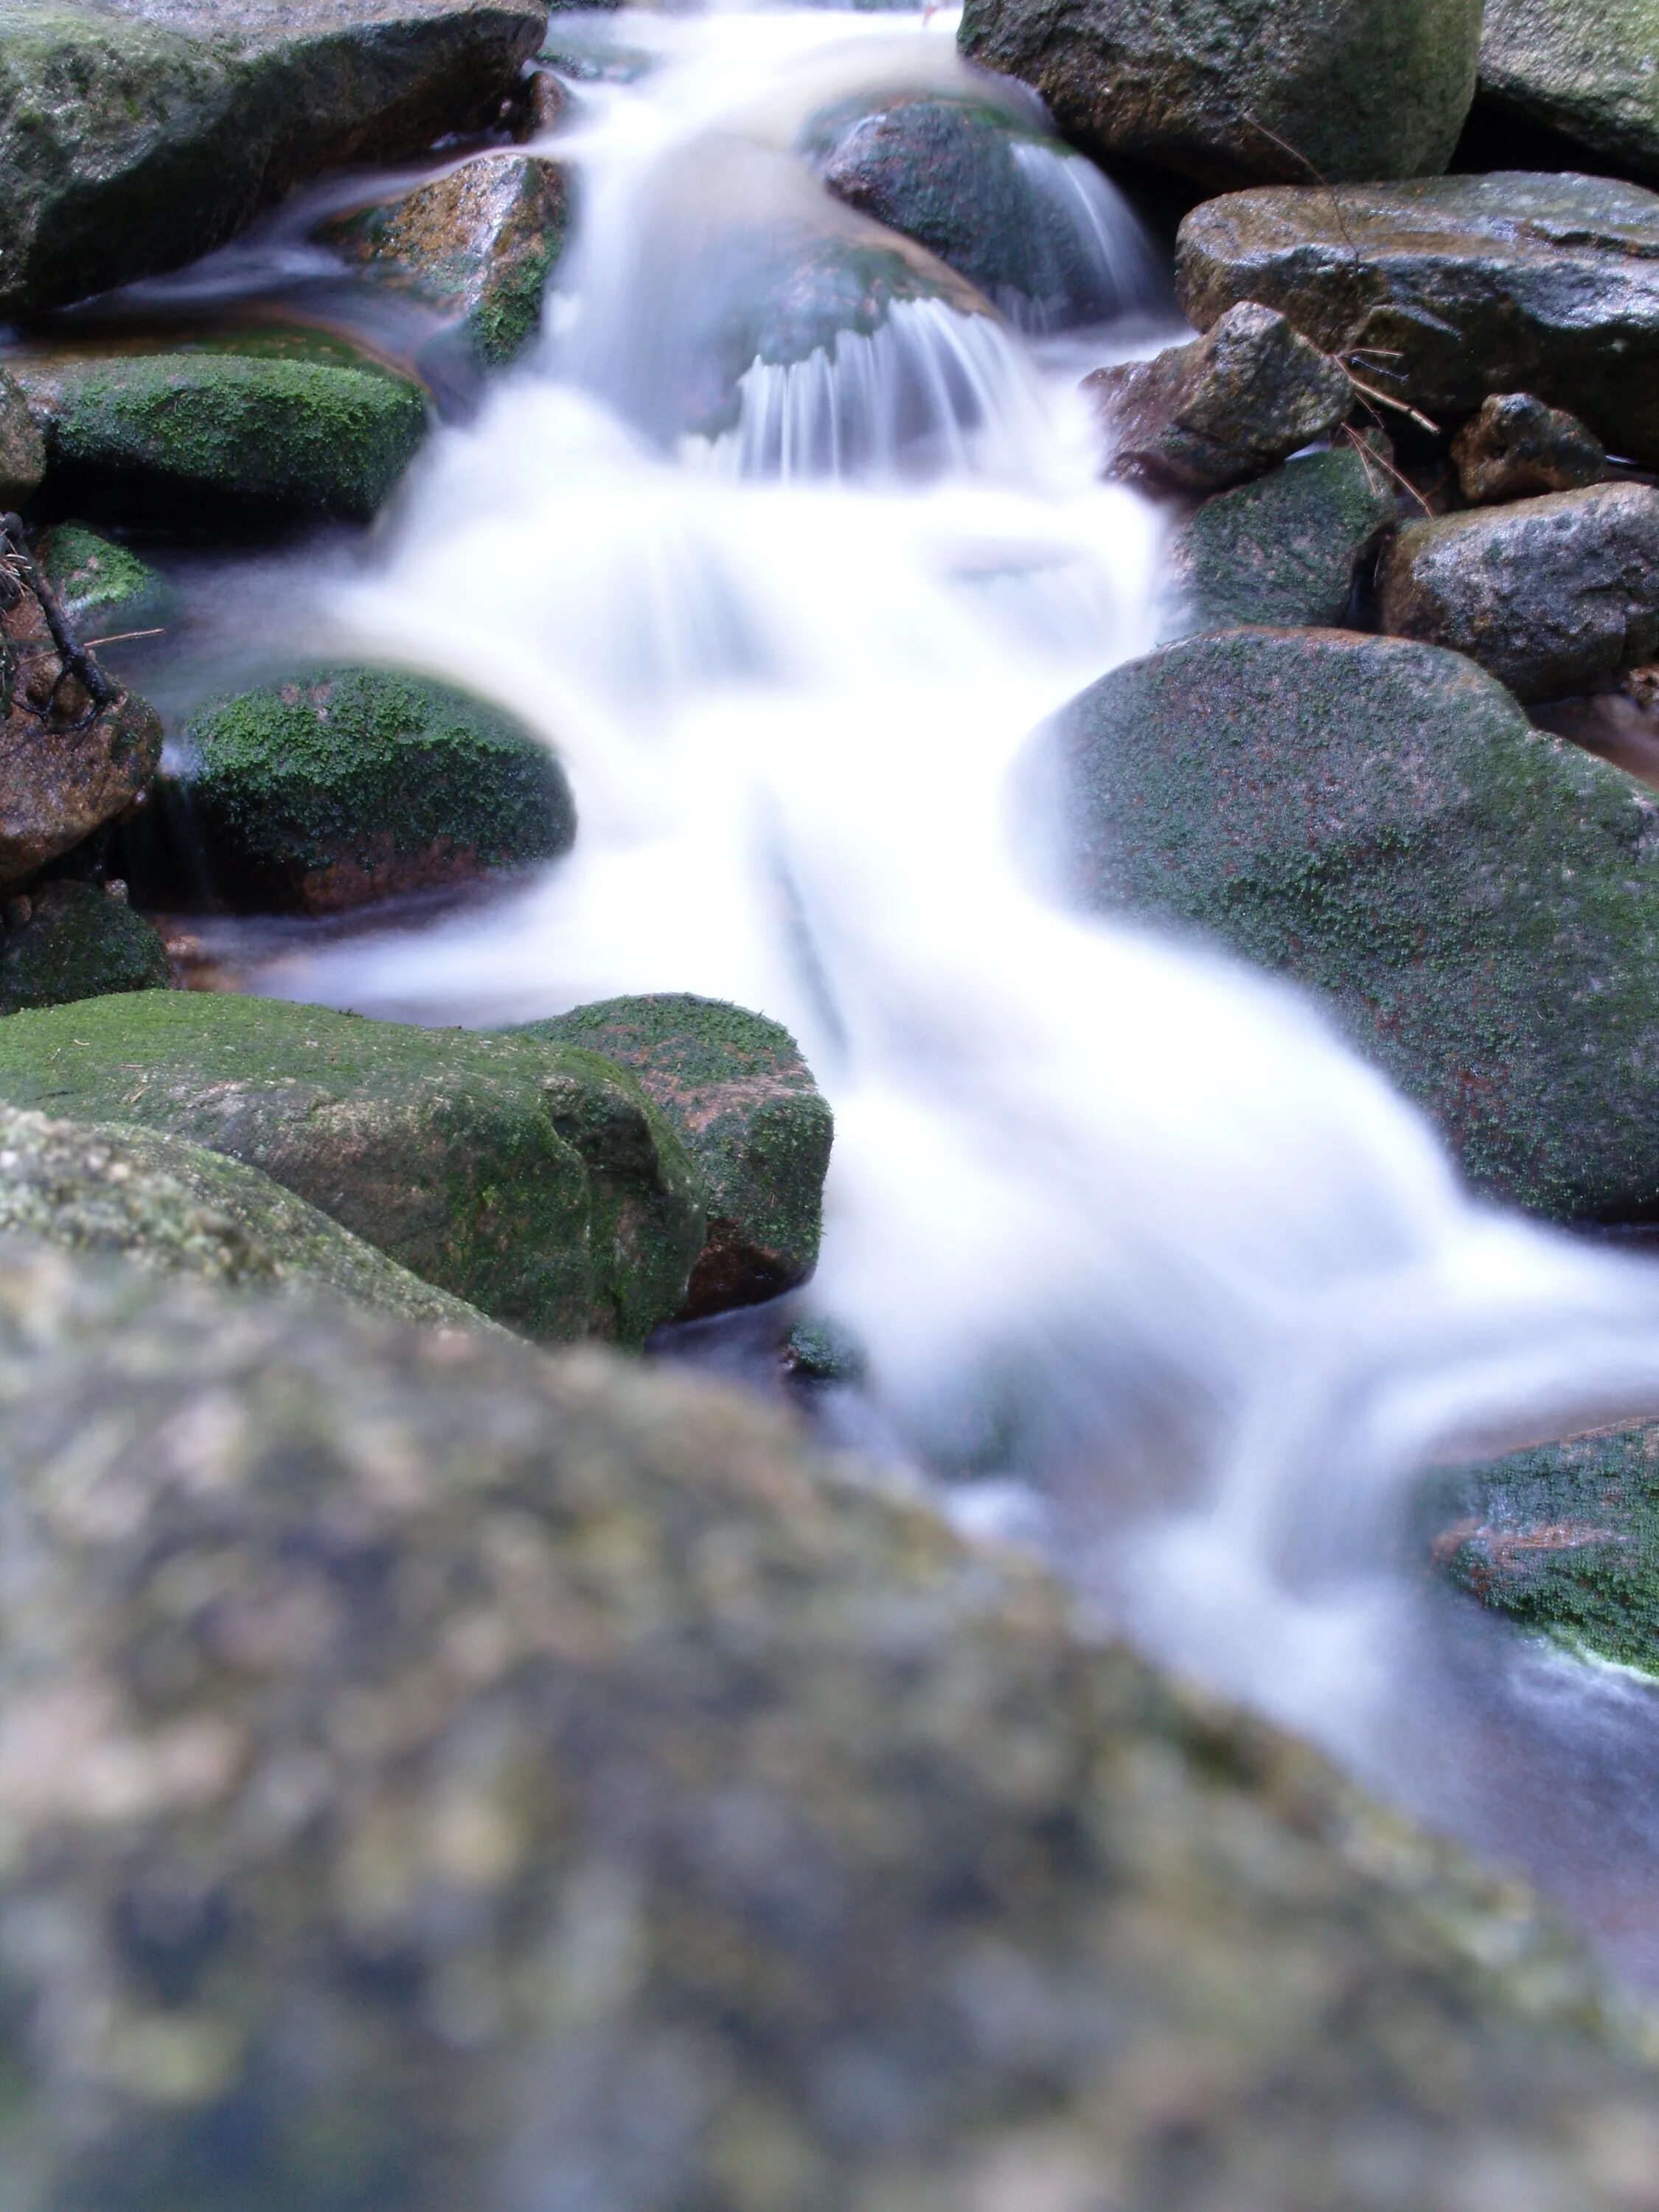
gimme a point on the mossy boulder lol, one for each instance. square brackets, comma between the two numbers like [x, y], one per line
[536, 1182]
[432, 1773]
[1565, 1539]
[133, 138]
[1284, 550]
[999, 200]
[736, 1090]
[1586, 77]
[1231, 91]
[346, 785]
[71, 939]
[170, 1207]
[175, 434]
[478, 244]
[102, 588]
[1442, 291]
[1476, 902]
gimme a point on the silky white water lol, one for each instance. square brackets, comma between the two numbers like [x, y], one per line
[1129, 1234]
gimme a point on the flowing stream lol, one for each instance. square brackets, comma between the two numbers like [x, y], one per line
[1151, 1271]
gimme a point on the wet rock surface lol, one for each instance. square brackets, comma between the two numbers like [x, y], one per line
[162, 1204]
[1231, 91]
[478, 244]
[1518, 448]
[536, 1181]
[103, 588]
[980, 187]
[1585, 75]
[340, 787]
[743, 1100]
[1564, 1538]
[1284, 550]
[68, 940]
[174, 433]
[68, 764]
[134, 137]
[1475, 900]
[1442, 291]
[1221, 408]
[1552, 595]
[443, 1772]
[22, 448]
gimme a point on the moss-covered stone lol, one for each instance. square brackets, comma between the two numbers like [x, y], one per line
[171, 1207]
[71, 940]
[479, 245]
[22, 448]
[102, 588]
[134, 138]
[1586, 77]
[975, 184]
[1229, 92]
[1564, 1538]
[429, 1772]
[1476, 900]
[1284, 550]
[536, 1182]
[345, 785]
[736, 1089]
[169, 433]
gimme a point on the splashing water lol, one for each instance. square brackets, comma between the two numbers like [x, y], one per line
[1120, 1222]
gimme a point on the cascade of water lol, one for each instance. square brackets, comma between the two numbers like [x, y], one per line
[1114, 1217]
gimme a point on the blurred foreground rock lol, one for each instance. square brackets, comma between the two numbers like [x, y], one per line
[433, 1775]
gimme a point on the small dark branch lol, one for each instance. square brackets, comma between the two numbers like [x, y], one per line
[75, 660]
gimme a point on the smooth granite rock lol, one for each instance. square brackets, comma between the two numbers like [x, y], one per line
[1586, 75]
[1442, 291]
[1284, 550]
[1476, 902]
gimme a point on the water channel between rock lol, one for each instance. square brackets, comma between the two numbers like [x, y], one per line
[1150, 1269]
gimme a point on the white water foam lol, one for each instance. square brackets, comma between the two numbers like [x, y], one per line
[1120, 1222]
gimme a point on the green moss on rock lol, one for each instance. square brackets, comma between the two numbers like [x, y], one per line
[170, 431]
[78, 942]
[735, 1088]
[1284, 549]
[431, 1773]
[103, 588]
[536, 1182]
[349, 784]
[1476, 901]
[170, 1207]
[1564, 1538]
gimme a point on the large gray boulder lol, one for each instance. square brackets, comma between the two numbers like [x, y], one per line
[1217, 409]
[1585, 74]
[1232, 92]
[138, 134]
[1441, 291]
[1477, 902]
[437, 1775]
[1552, 595]
[534, 1180]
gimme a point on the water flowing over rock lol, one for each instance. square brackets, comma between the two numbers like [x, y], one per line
[70, 940]
[445, 1772]
[1284, 550]
[1035, 227]
[1220, 408]
[1587, 76]
[178, 434]
[340, 787]
[1233, 92]
[170, 1207]
[138, 134]
[1476, 901]
[1441, 292]
[535, 1180]
[1552, 595]
[68, 765]
[1517, 448]
[743, 1100]
[478, 244]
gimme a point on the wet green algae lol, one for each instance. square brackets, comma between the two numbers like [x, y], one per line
[78, 943]
[536, 1182]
